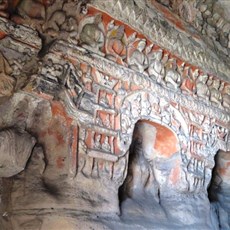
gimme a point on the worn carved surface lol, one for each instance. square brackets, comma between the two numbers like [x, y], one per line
[111, 116]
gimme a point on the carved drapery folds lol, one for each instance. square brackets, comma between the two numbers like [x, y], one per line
[103, 77]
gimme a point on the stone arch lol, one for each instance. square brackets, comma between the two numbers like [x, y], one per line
[145, 105]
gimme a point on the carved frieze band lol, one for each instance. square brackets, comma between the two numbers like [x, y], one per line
[149, 67]
[148, 22]
[125, 74]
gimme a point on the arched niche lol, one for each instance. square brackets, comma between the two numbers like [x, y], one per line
[145, 105]
[153, 159]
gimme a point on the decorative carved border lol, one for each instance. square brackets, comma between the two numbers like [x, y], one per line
[125, 74]
[167, 37]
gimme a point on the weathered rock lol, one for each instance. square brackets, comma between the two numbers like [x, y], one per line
[128, 105]
[15, 150]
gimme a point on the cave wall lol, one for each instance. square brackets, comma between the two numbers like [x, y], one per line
[111, 115]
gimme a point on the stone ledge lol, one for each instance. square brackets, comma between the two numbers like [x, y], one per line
[102, 155]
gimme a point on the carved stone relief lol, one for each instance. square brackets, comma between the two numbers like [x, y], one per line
[161, 33]
[118, 109]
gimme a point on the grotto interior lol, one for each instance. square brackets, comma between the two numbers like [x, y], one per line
[114, 114]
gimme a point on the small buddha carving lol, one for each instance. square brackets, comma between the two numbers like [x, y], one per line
[202, 89]
[173, 79]
[138, 60]
[215, 95]
[156, 68]
[92, 35]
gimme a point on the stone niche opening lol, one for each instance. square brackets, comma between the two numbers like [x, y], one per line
[152, 155]
[219, 190]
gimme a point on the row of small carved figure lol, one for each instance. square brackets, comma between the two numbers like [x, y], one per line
[134, 53]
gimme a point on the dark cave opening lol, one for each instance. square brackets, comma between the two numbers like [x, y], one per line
[219, 190]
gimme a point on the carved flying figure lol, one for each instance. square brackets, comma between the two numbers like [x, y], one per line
[166, 116]
[172, 79]
[226, 97]
[138, 60]
[202, 89]
[222, 133]
[107, 81]
[155, 106]
[74, 11]
[156, 68]
[61, 19]
[215, 95]
[115, 43]
[91, 36]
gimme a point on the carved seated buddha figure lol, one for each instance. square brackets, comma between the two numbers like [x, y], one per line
[201, 88]
[156, 68]
[215, 95]
[92, 35]
[173, 79]
[138, 60]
